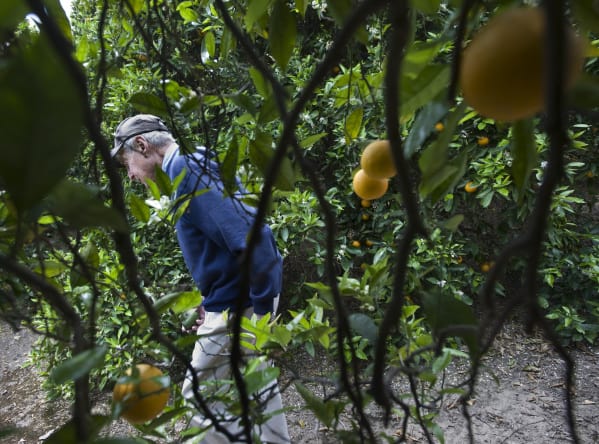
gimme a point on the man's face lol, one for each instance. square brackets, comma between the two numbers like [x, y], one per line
[140, 162]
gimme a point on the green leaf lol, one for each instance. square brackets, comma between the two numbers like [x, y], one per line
[301, 6]
[91, 259]
[260, 379]
[427, 6]
[81, 206]
[353, 124]
[138, 208]
[57, 13]
[261, 154]
[178, 302]
[423, 126]
[425, 88]
[38, 143]
[585, 92]
[419, 56]
[208, 49]
[282, 33]
[364, 325]
[79, 365]
[228, 168]
[340, 10]
[586, 13]
[444, 311]
[255, 11]
[12, 12]
[524, 153]
[260, 82]
[321, 409]
[439, 174]
[453, 222]
[68, 432]
[148, 103]
[311, 140]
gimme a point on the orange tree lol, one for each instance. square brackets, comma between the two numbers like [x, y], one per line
[389, 289]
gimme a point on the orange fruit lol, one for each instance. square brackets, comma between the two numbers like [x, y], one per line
[368, 188]
[470, 187]
[365, 203]
[483, 141]
[377, 160]
[439, 126]
[356, 244]
[485, 267]
[142, 393]
[365, 217]
[502, 73]
[369, 243]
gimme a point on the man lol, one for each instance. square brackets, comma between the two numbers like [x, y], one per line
[212, 234]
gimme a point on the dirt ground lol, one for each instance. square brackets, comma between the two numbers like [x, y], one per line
[522, 403]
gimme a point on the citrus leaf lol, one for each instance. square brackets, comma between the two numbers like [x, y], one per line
[423, 126]
[282, 33]
[427, 6]
[585, 92]
[79, 365]
[139, 209]
[178, 302]
[524, 153]
[311, 140]
[38, 143]
[81, 206]
[260, 379]
[353, 124]
[148, 103]
[68, 432]
[261, 154]
[444, 311]
[255, 11]
[12, 12]
[586, 13]
[425, 88]
[228, 167]
[364, 325]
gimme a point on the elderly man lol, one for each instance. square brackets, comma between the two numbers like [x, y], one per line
[212, 233]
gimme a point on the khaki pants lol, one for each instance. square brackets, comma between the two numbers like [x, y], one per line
[211, 361]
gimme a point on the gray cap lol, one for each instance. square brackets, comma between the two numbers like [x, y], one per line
[134, 126]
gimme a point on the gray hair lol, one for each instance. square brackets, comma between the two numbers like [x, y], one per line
[156, 139]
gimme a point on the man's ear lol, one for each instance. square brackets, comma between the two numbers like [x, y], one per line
[142, 145]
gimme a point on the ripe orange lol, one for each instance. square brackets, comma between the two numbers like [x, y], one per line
[485, 267]
[368, 188]
[439, 126]
[483, 141]
[356, 244]
[369, 243]
[377, 160]
[502, 74]
[365, 203]
[470, 187]
[142, 394]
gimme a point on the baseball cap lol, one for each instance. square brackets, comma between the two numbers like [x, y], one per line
[134, 126]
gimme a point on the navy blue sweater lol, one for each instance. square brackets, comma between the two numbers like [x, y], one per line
[212, 233]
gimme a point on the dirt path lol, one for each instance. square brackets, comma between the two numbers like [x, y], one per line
[524, 405]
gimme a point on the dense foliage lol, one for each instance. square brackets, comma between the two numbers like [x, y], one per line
[484, 220]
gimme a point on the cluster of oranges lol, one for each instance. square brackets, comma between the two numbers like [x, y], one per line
[376, 167]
